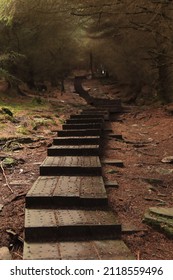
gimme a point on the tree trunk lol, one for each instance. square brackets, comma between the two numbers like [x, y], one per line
[62, 85]
[165, 81]
[91, 65]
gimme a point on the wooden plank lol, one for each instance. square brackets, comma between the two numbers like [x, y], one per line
[77, 140]
[71, 166]
[74, 150]
[80, 132]
[67, 191]
[82, 126]
[66, 224]
[78, 250]
[84, 121]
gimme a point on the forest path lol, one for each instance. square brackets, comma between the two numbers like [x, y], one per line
[145, 137]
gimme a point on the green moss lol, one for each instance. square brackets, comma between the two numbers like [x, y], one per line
[22, 130]
[164, 224]
[8, 162]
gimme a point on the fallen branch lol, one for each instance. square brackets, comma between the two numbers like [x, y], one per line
[6, 180]
[155, 199]
[20, 196]
[17, 254]
[138, 255]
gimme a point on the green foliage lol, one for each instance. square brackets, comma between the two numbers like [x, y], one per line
[130, 39]
[6, 11]
[22, 130]
[8, 60]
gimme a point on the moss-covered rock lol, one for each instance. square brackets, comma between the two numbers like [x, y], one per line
[7, 111]
[8, 162]
[160, 218]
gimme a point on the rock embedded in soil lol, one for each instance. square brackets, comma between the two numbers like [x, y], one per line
[167, 159]
[164, 171]
[7, 112]
[8, 162]
[161, 218]
[1, 207]
[153, 181]
[5, 254]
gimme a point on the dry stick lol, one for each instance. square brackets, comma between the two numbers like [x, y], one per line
[3, 172]
[138, 255]
[17, 254]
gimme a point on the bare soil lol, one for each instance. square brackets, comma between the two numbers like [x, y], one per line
[147, 138]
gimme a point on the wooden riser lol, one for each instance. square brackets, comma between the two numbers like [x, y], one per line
[80, 132]
[82, 140]
[71, 166]
[67, 224]
[80, 150]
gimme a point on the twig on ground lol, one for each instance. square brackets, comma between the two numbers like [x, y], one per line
[138, 255]
[19, 255]
[6, 180]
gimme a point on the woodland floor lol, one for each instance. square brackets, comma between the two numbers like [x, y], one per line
[147, 138]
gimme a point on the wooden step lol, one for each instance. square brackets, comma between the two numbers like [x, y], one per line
[111, 184]
[80, 132]
[82, 140]
[106, 102]
[82, 126]
[69, 224]
[111, 108]
[74, 150]
[81, 250]
[67, 191]
[114, 162]
[95, 111]
[71, 166]
[105, 114]
[89, 116]
[84, 121]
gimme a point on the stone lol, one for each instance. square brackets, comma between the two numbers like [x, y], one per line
[160, 218]
[111, 184]
[7, 111]
[8, 162]
[113, 162]
[1, 207]
[167, 212]
[167, 159]
[164, 171]
[5, 254]
[111, 171]
[153, 181]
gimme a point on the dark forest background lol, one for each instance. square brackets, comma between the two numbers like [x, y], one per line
[45, 40]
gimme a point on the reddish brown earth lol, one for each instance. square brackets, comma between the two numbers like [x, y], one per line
[147, 138]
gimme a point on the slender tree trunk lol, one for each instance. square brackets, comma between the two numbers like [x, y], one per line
[62, 85]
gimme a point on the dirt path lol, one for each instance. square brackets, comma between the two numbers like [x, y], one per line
[147, 134]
